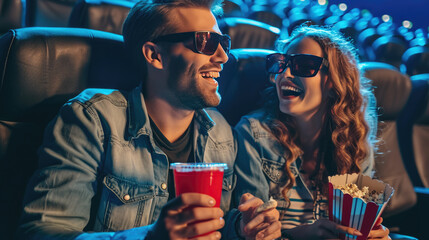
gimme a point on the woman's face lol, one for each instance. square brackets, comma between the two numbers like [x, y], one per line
[302, 97]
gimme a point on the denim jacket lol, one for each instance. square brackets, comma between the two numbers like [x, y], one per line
[100, 169]
[260, 165]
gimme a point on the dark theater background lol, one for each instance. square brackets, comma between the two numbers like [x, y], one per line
[399, 10]
[50, 50]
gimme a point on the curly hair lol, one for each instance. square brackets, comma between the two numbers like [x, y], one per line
[349, 125]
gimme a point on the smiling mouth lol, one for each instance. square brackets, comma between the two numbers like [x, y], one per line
[210, 74]
[290, 91]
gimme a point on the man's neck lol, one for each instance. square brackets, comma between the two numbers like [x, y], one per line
[170, 120]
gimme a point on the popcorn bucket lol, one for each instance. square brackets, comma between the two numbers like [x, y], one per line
[354, 211]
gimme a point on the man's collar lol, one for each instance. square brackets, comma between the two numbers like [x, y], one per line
[138, 120]
[204, 119]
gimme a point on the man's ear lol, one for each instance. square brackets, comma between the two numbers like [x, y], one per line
[152, 54]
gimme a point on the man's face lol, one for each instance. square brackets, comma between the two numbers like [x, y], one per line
[191, 75]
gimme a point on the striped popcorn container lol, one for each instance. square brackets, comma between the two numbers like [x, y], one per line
[352, 211]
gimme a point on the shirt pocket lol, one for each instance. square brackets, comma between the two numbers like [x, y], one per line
[274, 172]
[228, 185]
[229, 180]
[127, 204]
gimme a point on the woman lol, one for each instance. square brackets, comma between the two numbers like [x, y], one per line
[318, 121]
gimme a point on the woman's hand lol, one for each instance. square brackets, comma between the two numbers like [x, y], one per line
[258, 225]
[379, 231]
[321, 229]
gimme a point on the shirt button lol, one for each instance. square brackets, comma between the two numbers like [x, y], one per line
[164, 186]
[229, 187]
[127, 197]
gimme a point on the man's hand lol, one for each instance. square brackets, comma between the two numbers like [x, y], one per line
[254, 225]
[187, 216]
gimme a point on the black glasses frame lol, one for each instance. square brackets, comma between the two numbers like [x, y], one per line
[223, 39]
[287, 60]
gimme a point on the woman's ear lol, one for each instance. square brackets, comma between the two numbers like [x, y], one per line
[152, 54]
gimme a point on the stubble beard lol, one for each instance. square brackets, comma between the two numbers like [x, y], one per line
[190, 93]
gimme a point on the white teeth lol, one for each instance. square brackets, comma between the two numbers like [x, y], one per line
[290, 88]
[210, 74]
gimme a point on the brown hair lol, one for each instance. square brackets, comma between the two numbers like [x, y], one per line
[349, 126]
[148, 20]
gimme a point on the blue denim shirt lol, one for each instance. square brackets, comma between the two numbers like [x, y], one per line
[100, 169]
[260, 166]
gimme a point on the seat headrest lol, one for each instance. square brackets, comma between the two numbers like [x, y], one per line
[235, 8]
[10, 14]
[347, 28]
[391, 88]
[368, 36]
[241, 83]
[104, 15]
[267, 15]
[40, 64]
[364, 43]
[298, 18]
[248, 33]
[389, 49]
[48, 13]
[424, 117]
[416, 60]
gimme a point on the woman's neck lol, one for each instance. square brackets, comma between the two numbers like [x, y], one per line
[310, 128]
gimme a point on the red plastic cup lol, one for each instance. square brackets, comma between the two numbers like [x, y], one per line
[205, 178]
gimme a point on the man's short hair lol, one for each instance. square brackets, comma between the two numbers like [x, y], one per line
[148, 20]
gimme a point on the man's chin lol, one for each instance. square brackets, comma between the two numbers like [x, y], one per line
[207, 103]
[215, 101]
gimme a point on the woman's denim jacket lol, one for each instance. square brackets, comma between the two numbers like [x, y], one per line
[100, 169]
[260, 161]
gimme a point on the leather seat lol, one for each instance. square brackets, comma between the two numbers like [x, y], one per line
[267, 15]
[48, 13]
[415, 61]
[364, 43]
[420, 132]
[235, 8]
[296, 19]
[247, 33]
[392, 90]
[11, 12]
[241, 83]
[104, 15]
[389, 49]
[43, 68]
[347, 28]
[399, 102]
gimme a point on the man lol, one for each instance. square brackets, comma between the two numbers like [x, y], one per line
[105, 157]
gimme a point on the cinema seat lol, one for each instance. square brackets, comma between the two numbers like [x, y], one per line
[392, 90]
[103, 15]
[415, 61]
[241, 82]
[247, 33]
[48, 13]
[41, 69]
[11, 12]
